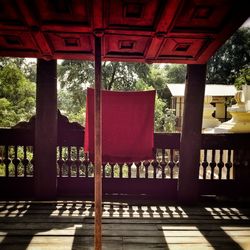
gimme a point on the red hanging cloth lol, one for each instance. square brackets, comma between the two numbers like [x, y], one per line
[127, 126]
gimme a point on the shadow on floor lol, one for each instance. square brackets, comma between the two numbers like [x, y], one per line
[124, 226]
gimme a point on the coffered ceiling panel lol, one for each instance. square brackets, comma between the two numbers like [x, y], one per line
[179, 48]
[19, 42]
[142, 15]
[10, 17]
[199, 16]
[117, 46]
[70, 44]
[59, 14]
[177, 31]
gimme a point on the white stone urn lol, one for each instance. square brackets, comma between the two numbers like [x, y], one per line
[240, 122]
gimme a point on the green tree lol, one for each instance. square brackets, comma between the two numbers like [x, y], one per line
[27, 67]
[4, 61]
[123, 76]
[71, 107]
[76, 76]
[165, 118]
[115, 75]
[176, 73]
[157, 79]
[17, 96]
[227, 62]
[243, 77]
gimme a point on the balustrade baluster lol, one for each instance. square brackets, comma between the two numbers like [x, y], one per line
[129, 170]
[177, 164]
[120, 170]
[205, 165]
[60, 161]
[146, 164]
[155, 164]
[228, 164]
[163, 164]
[104, 165]
[86, 164]
[212, 164]
[6, 160]
[112, 170]
[32, 162]
[171, 164]
[16, 161]
[87, 169]
[138, 164]
[25, 161]
[220, 164]
[69, 162]
[77, 162]
[81, 160]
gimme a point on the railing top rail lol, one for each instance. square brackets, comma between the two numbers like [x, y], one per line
[209, 141]
[75, 137]
[23, 137]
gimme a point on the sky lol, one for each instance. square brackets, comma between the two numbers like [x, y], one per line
[246, 23]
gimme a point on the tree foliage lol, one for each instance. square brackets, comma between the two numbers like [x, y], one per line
[165, 119]
[176, 73]
[17, 96]
[123, 76]
[243, 77]
[76, 76]
[115, 75]
[28, 68]
[233, 56]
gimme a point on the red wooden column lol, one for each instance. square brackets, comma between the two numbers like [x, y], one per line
[188, 190]
[98, 145]
[46, 130]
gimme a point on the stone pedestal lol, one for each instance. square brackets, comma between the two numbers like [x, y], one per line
[208, 121]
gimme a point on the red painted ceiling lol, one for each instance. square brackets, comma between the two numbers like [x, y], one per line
[177, 31]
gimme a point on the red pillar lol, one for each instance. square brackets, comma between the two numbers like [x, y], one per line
[188, 190]
[45, 172]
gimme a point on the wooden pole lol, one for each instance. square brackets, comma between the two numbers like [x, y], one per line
[45, 173]
[188, 190]
[98, 146]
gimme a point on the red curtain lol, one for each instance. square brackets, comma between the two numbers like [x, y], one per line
[127, 126]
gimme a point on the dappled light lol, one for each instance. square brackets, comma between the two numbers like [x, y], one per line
[69, 225]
